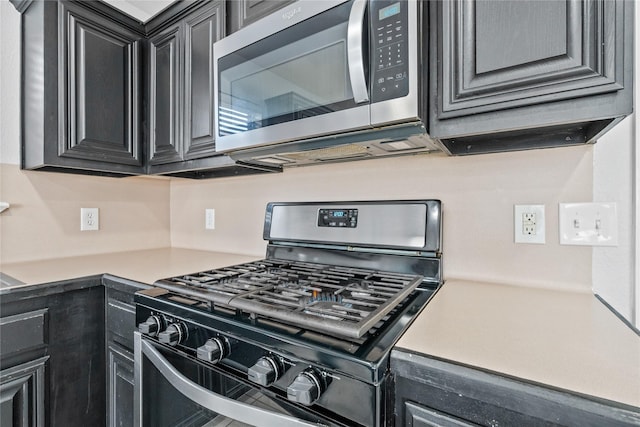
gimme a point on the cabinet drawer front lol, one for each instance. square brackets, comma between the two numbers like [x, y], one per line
[121, 320]
[22, 332]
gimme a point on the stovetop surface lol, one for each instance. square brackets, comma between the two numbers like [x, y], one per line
[364, 357]
[330, 299]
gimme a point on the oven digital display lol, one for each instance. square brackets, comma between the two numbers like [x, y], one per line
[389, 11]
[338, 218]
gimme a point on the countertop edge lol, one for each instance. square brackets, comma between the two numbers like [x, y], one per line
[403, 360]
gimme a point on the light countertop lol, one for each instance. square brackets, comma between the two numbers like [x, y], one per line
[563, 339]
[144, 266]
[568, 340]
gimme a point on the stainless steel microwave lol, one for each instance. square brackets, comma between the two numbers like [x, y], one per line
[338, 78]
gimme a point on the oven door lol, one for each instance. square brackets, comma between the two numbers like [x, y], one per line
[173, 390]
[302, 72]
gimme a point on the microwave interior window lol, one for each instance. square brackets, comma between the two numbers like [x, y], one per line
[286, 77]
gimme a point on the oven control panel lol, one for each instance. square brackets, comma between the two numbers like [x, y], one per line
[338, 218]
[240, 355]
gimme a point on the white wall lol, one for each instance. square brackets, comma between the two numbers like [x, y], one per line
[478, 194]
[616, 177]
[9, 84]
[44, 218]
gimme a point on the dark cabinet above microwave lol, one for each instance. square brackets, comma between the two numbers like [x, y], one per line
[512, 75]
[241, 13]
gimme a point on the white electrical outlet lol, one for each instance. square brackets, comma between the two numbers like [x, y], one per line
[210, 219]
[588, 224]
[529, 225]
[89, 219]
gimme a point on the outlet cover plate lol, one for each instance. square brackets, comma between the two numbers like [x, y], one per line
[588, 224]
[89, 219]
[529, 224]
[209, 219]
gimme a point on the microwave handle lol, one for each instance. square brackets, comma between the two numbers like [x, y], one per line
[355, 55]
[206, 398]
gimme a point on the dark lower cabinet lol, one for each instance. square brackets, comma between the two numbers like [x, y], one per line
[518, 74]
[120, 393]
[420, 416]
[432, 392]
[66, 354]
[81, 89]
[52, 354]
[120, 322]
[22, 391]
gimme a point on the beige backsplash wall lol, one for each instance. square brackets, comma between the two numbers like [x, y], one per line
[44, 218]
[478, 194]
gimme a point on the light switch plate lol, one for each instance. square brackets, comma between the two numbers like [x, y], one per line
[588, 224]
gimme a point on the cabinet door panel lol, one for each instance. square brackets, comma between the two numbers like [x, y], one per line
[120, 387]
[98, 85]
[22, 394]
[244, 12]
[201, 32]
[516, 53]
[164, 102]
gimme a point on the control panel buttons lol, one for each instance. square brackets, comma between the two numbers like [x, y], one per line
[266, 371]
[151, 326]
[175, 334]
[307, 387]
[214, 350]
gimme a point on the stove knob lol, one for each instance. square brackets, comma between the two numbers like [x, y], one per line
[307, 387]
[175, 334]
[214, 350]
[151, 326]
[266, 371]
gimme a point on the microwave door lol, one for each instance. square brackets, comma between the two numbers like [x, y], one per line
[293, 84]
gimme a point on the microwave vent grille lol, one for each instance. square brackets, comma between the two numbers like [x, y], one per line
[332, 153]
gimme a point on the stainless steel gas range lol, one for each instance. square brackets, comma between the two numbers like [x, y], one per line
[300, 338]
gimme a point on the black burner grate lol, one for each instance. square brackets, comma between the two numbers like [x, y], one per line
[331, 299]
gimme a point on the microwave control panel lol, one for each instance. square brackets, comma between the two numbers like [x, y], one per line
[389, 49]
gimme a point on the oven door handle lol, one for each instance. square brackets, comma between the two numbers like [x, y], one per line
[215, 402]
[355, 53]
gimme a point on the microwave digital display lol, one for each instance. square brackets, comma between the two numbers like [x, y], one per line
[389, 11]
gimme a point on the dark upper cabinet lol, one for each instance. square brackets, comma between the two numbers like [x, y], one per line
[241, 13]
[201, 31]
[80, 89]
[165, 57]
[562, 68]
[181, 98]
[181, 87]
